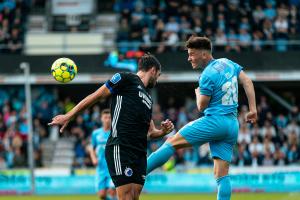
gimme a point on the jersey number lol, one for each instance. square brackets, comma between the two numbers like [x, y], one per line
[231, 92]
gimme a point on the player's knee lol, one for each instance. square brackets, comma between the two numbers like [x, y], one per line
[137, 193]
[221, 168]
[177, 141]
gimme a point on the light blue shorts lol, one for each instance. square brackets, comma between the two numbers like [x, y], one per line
[219, 131]
[103, 181]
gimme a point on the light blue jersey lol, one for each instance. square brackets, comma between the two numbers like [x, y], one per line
[220, 81]
[99, 139]
[219, 127]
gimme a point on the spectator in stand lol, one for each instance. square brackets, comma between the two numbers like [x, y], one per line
[244, 39]
[244, 135]
[274, 19]
[232, 41]
[220, 40]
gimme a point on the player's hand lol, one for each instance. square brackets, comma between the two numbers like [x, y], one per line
[167, 126]
[251, 117]
[62, 120]
[95, 162]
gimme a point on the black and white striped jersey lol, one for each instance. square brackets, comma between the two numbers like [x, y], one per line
[131, 111]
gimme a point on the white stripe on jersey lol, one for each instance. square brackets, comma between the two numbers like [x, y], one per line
[116, 116]
[117, 161]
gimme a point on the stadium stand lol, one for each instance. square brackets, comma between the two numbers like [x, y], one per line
[13, 16]
[274, 140]
[233, 25]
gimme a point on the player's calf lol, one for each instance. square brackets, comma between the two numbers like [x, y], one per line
[163, 154]
[221, 169]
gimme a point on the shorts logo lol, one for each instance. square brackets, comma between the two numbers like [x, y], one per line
[116, 78]
[128, 172]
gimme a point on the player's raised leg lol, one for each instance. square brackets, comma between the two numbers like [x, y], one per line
[197, 132]
[163, 154]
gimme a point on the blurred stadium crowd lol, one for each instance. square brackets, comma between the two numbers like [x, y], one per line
[13, 15]
[274, 140]
[233, 25]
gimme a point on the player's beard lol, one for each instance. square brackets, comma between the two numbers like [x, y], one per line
[152, 83]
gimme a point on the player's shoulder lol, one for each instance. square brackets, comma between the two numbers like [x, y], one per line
[128, 76]
[97, 131]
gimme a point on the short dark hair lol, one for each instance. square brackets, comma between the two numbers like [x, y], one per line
[201, 43]
[147, 61]
[105, 111]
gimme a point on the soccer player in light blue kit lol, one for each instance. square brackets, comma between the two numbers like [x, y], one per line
[104, 185]
[217, 99]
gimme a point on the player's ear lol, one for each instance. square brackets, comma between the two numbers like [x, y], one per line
[153, 70]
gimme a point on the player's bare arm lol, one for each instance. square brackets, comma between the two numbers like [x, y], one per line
[63, 120]
[201, 100]
[93, 156]
[249, 89]
[166, 127]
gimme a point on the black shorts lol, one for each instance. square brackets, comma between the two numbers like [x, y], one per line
[126, 165]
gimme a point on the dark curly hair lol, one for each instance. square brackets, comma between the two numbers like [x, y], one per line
[148, 61]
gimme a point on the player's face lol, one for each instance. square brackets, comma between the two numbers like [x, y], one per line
[153, 78]
[196, 58]
[105, 119]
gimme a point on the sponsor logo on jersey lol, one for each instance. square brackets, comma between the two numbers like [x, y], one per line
[116, 78]
[146, 100]
[128, 171]
[139, 87]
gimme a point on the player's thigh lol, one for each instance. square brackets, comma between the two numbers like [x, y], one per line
[200, 131]
[178, 141]
[222, 148]
[137, 191]
[126, 166]
[126, 192]
[221, 167]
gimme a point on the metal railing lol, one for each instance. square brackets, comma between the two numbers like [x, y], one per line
[279, 45]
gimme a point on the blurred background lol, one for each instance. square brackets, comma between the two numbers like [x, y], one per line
[104, 37]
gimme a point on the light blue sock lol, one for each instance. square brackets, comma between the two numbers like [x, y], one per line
[224, 188]
[160, 156]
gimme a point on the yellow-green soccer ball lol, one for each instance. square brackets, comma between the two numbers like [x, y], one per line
[64, 70]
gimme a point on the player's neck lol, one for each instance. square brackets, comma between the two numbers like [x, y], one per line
[209, 60]
[106, 129]
[143, 78]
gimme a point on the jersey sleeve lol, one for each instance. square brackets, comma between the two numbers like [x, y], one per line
[117, 82]
[238, 69]
[206, 86]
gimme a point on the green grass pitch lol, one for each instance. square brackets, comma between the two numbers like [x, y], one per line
[240, 196]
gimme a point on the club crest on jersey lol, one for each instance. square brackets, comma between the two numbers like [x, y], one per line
[116, 78]
[128, 171]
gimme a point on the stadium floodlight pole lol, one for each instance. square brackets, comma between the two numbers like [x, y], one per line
[25, 66]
